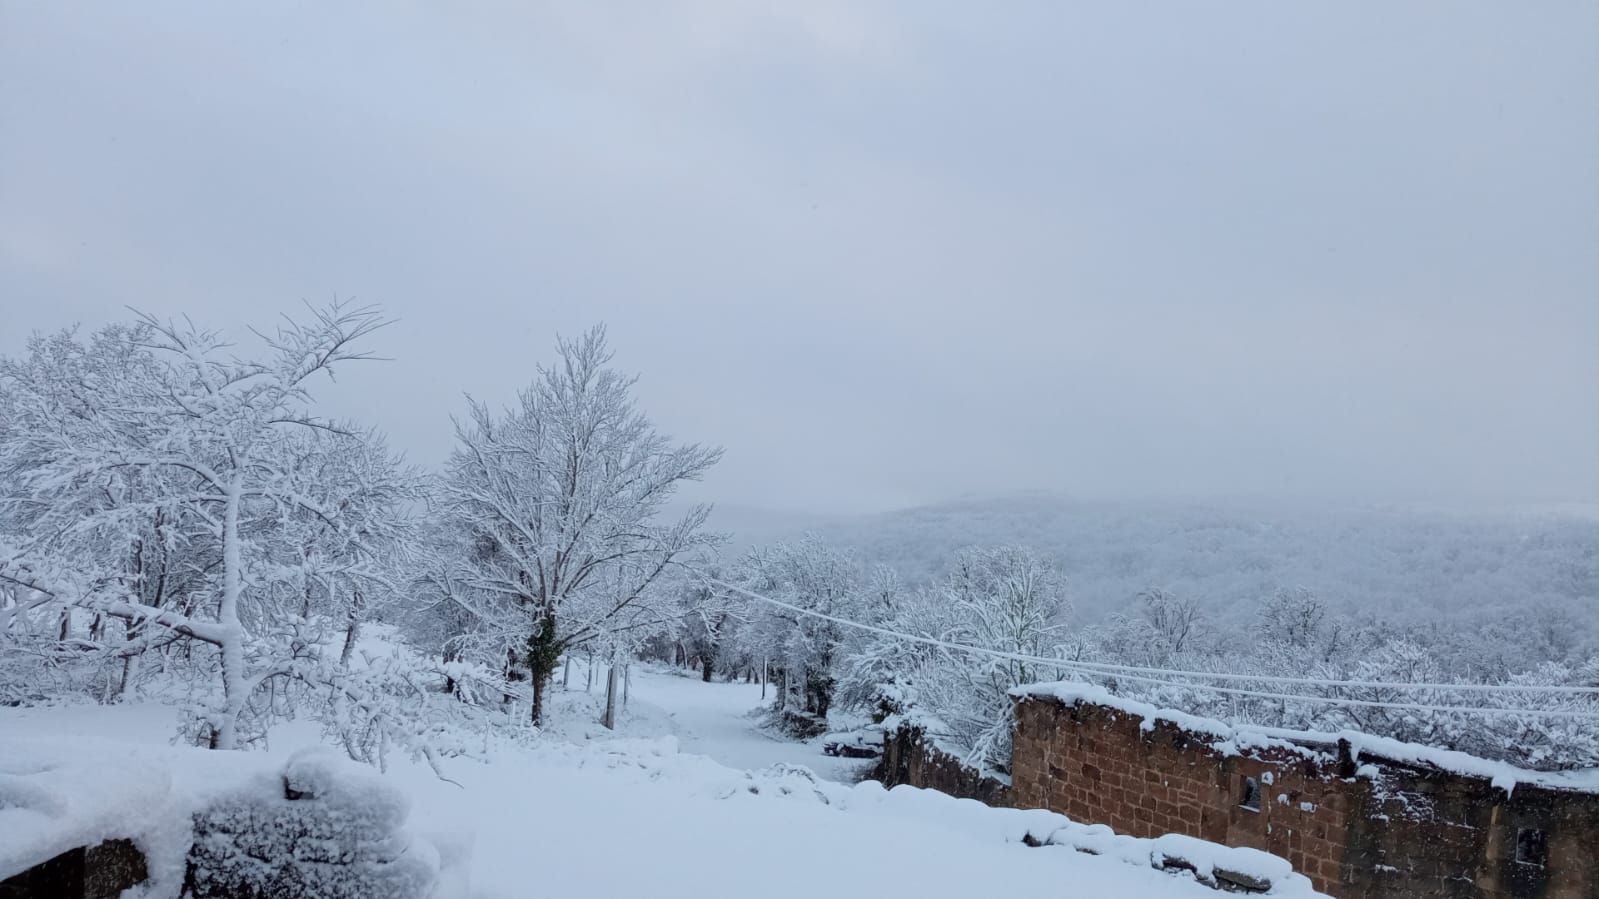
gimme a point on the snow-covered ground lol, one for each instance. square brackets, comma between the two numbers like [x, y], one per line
[720, 720]
[669, 808]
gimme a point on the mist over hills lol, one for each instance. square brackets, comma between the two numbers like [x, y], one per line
[1520, 583]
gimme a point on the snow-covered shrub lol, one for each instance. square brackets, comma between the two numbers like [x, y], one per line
[324, 827]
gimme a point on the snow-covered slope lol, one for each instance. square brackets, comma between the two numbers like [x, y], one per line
[635, 816]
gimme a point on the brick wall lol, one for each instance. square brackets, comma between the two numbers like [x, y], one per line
[1396, 830]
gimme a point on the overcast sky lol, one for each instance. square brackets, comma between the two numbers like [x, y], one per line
[882, 253]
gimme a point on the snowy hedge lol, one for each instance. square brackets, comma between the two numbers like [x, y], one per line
[323, 827]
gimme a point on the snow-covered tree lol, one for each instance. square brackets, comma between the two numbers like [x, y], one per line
[153, 478]
[1006, 599]
[1294, 619]
[706, 624]
[556, 507]
[804, 650]
[1177, 623]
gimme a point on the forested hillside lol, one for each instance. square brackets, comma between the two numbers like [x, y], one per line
[1497, 591]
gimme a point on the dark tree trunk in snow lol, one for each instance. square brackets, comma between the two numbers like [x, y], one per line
[818, 694]
[130, 662]
[610, 699]
[353, 633]
[538, 702]
[451, 653]
[543, 654]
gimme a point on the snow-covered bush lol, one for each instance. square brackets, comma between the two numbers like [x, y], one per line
[323, 827]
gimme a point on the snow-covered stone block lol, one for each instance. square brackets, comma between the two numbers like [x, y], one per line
[322, 827]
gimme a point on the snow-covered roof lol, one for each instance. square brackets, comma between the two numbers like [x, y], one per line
[1241, 738]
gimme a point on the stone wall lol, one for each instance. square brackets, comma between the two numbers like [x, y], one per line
[102, 871]
[1394, 830]
[908, 758]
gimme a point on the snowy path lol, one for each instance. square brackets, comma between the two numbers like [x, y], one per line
[716, 720]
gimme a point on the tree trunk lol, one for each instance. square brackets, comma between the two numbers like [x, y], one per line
[228, 617]
[610, 699]
[818, 694]
[543, 653]
[538, 702]
[352, 630]
[131, 661]
[627, 683]
[450, 655]
[130, 668]
[566, 673]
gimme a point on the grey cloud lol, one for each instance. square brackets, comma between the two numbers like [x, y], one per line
[883, 253]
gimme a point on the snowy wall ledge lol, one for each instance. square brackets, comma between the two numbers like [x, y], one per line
[1316, 745]
[1358, 815]
[56, 797]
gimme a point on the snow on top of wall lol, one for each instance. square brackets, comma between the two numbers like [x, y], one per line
[1501, 774]
[1234, 739]
[1227, 738]
[57, 795]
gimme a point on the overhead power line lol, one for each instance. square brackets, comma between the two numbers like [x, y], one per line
[1142, 675]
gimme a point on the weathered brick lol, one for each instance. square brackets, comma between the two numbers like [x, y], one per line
[1170, 781]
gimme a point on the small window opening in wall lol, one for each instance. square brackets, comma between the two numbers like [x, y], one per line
[1532, 846]
[1251, 798]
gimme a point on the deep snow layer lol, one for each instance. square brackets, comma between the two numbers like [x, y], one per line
[634, 816]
